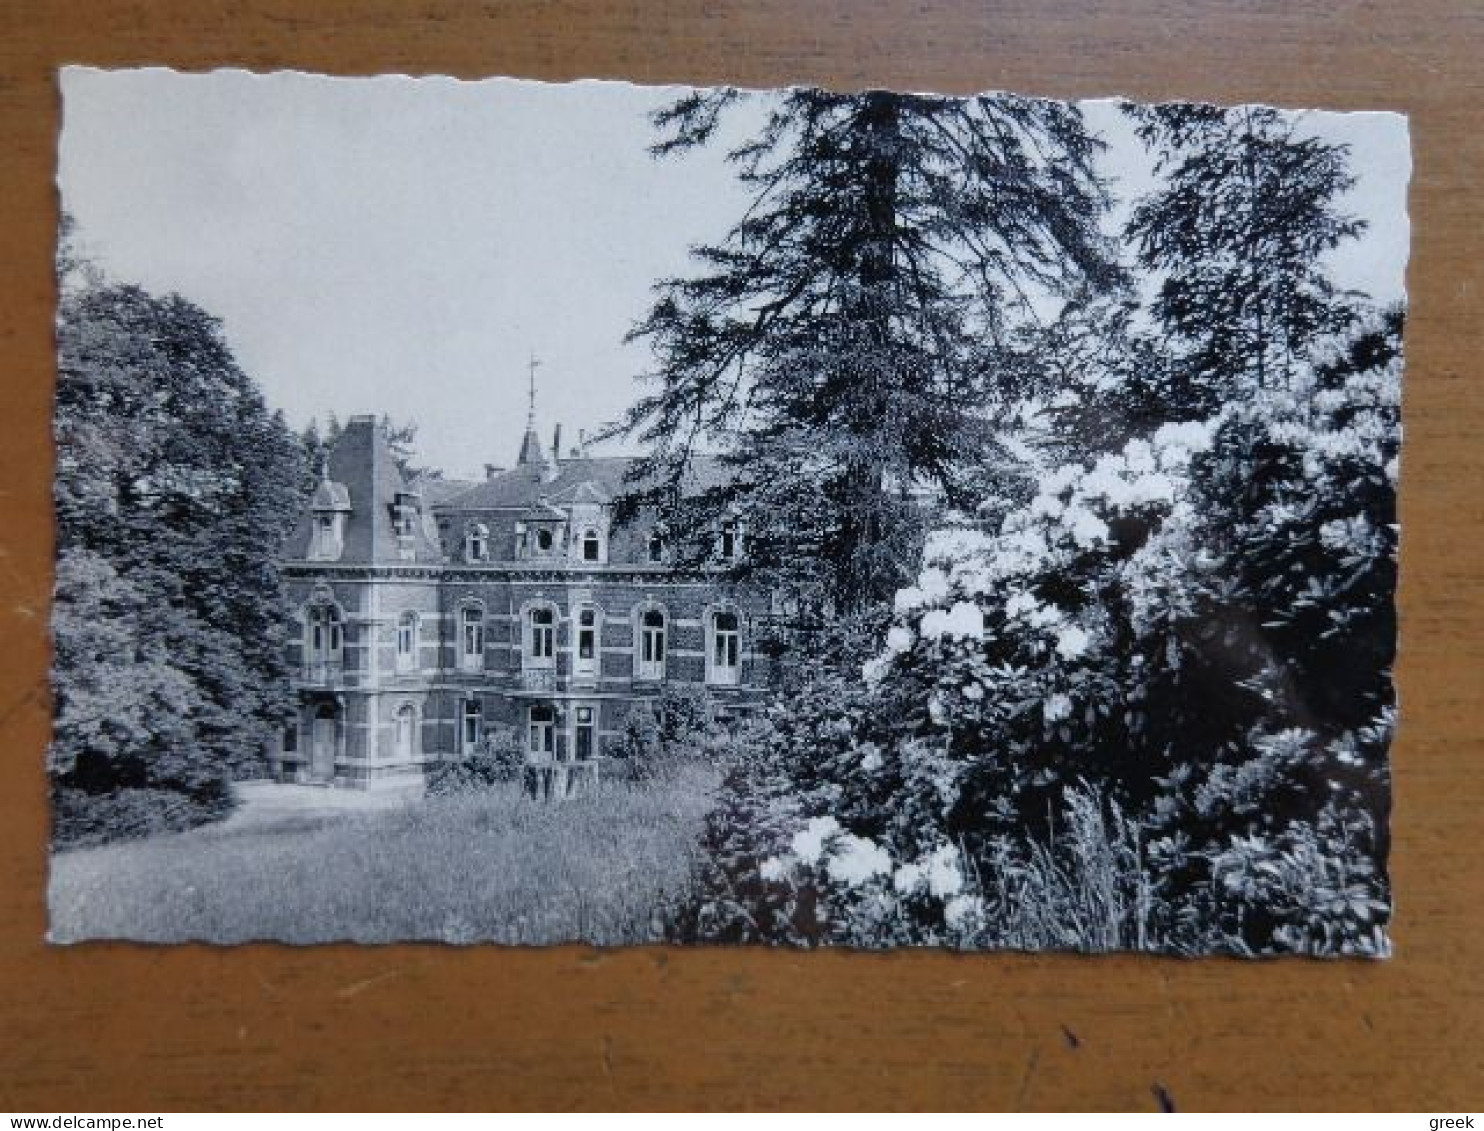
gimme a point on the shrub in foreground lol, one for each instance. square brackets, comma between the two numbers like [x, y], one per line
[499, 758]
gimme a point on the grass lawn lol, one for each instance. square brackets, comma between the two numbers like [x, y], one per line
[496, 866]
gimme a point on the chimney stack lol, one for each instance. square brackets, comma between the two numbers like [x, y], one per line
[556, 444]
[489, 470]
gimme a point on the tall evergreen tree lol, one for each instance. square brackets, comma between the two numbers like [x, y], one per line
[1237, 234]
[175, 489]
[842, 346]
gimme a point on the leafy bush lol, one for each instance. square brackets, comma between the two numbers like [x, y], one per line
[639, 748]
[684, 714]
[499, 758]
[655, 737]
[84, 818]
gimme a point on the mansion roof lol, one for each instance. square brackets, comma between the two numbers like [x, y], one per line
[383, 519]
[596, 479]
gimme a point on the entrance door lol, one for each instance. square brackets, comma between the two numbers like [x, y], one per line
[584, 734]
[542, 743]
[322, 764]
[406, 732]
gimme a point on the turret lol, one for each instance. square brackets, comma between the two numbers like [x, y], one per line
[531, 457]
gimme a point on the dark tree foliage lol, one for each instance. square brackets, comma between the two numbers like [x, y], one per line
[1236, 234]
[844, 345]
[316, 446]
[1103, 377]
[1158, 697]
[175, 489]
[1300, 498]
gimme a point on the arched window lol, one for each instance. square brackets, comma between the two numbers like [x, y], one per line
[591, 546]
[541, 637]
[407, 641]
[543, 540]
[651, 663]
[585, 661]
[471, 638]
[477, 542]
[541, 740]
[324, 638]
[471, 725]
[406, 743]
[656, 548]
[726, 648]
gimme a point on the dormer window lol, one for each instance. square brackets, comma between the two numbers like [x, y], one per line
[543, 540]
[328, 540]
[404, 514]
[592, 547]
[330, 505]
[477, 542]
[730, 545]
[656, 548]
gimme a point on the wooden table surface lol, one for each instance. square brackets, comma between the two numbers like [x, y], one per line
[110, 1027]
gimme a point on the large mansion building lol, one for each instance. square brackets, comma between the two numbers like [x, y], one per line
[426, 617]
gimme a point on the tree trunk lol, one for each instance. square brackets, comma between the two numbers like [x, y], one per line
[862, 579]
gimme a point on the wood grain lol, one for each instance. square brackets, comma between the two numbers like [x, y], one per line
[124, 1027]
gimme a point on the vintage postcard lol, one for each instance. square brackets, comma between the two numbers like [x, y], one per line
[524, 513]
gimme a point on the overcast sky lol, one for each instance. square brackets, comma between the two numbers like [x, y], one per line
[404, 245]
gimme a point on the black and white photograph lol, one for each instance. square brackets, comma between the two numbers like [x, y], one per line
[505, 512]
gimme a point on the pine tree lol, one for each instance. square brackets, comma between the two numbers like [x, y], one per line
[843, 345]
[1237, 235]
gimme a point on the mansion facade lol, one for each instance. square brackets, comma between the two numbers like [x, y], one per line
[429, 615]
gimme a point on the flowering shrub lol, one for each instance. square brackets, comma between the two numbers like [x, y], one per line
[1156, 700]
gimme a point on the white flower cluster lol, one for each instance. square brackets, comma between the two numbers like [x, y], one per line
[940, 873]
[852, 861]
[965, 568]
[846, 858]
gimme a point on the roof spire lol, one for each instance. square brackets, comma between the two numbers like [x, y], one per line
[530, 445]
[531, 404]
